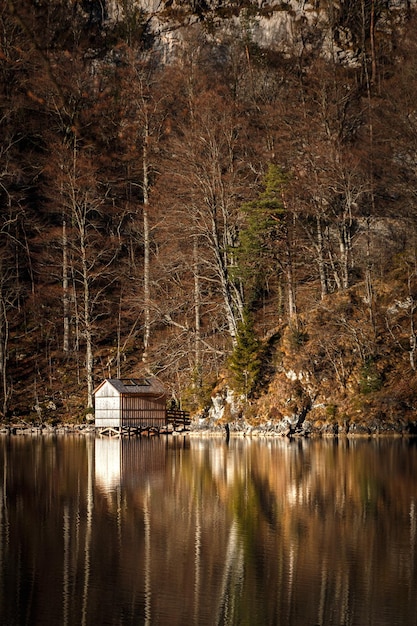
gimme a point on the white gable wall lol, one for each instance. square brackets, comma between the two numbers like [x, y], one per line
[106, 390]
[107, 406]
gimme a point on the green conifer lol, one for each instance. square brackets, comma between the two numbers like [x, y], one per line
[259, 238]
[245, 360]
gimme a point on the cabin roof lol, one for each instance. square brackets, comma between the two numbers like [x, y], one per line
[148, 386]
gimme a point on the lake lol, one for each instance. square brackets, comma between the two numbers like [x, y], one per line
[188, 530]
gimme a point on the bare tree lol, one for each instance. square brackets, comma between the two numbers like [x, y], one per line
[8, 297]
[85, 258]
[143, 113]
[209, 174]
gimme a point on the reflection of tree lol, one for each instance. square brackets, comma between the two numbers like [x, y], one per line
[319, 509]
[254, 532]
[148, 558]
[231, 581]
[88, 532]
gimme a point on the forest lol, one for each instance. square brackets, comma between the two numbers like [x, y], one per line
[224, 216]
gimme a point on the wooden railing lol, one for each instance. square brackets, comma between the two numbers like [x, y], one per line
[177, 418]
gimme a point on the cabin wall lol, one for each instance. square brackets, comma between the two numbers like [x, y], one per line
[129, 411]
[107, 412]
[137, 411]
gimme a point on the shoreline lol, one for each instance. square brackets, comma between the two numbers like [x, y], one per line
[216, 431]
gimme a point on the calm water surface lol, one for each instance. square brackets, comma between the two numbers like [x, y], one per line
[197, 531]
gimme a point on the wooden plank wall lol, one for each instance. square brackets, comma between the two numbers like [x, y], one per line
[137, 411]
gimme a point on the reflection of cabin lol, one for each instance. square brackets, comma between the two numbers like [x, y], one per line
[122, 461]
[130, 403]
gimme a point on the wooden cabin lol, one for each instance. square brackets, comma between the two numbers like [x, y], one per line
[130, 403]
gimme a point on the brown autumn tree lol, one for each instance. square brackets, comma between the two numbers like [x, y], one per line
[205, 174]
[143, 102]
[21, 122]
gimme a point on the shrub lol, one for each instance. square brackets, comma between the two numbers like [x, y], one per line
[370, 378]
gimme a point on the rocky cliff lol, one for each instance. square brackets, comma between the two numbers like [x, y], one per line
[335, 28]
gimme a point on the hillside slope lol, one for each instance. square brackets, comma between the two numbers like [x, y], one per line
[220, 194]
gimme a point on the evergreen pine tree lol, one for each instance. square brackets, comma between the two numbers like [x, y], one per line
[245, 360]
[259, 238]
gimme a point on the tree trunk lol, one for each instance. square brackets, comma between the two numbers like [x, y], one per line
[320, 260]
[65, 294]
[289, 269]
[344, 257]
[87, 326]
[372, 38]
[413, 336]
[197, 305]
[4, 337]
[224, 284]
[146, 253]
[292, 306]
